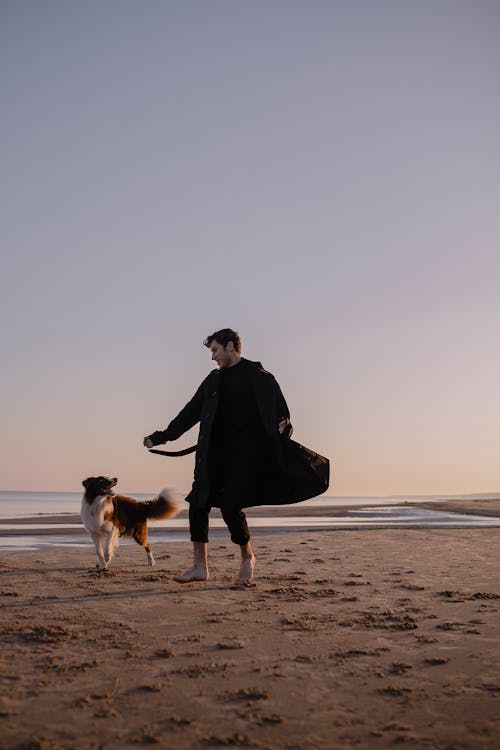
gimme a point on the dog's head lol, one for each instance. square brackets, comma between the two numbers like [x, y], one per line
[95, 486]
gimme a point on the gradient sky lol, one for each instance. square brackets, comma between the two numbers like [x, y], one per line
[323, 177]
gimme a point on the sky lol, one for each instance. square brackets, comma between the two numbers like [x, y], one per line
[322, 176]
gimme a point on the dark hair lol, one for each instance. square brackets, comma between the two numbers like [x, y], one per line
[223, 337]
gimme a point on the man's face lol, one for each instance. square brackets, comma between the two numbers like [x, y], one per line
[222, 355]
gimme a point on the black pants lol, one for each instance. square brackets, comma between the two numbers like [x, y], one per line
[232, 474]
[234, 519]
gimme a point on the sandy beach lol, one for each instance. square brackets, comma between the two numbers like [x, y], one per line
[364, 638]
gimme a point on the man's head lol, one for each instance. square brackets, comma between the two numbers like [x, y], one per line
[225, 346]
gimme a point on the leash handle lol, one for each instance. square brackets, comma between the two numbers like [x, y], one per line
[183, 452]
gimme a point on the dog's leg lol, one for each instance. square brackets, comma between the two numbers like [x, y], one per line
[101, 565]
[114, 542]
[110, 544]
[141, 537]
[151, 560]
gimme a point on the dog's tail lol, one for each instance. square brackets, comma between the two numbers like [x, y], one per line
[164, 506]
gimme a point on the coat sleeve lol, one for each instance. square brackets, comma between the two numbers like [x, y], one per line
[282, 409]
[187, 417]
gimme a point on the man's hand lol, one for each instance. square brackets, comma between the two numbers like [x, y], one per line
[282, 425]
[157, 438]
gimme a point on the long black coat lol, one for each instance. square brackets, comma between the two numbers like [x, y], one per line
[288, 472]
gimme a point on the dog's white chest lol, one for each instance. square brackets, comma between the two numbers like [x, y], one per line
[94, 515]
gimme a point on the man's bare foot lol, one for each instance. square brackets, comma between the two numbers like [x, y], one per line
[246, 571]
[193, 574]
[199, 571]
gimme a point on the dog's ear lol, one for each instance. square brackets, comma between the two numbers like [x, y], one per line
[85, 482]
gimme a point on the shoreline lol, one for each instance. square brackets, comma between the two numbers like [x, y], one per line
[479, 507]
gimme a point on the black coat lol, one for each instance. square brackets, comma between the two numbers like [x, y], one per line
[288, 472]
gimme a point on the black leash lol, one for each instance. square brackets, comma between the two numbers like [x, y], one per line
[183, 452]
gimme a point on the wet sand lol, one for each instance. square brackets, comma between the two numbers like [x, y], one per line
[469, 507]
[364, 639]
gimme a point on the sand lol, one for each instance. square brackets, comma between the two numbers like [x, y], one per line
[368, 639]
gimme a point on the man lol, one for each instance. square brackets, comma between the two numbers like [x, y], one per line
[244, 454]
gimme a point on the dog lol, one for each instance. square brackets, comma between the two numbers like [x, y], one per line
[107, 517]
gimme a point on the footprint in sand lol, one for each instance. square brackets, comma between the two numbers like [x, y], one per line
[356, 583]
[412, 587]
[180, 721]
[424, 640]
[230, 645]
[391, 691]
[233, 740]
[150, 687]
[399, 668]
[435, 661]
[246, 694]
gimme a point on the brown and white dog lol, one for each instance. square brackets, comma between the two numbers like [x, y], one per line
[107, 517]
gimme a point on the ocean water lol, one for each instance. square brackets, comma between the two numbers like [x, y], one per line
[17, 504]
[14, 504]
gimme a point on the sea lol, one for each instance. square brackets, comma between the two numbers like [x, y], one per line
[22, 504]
[27, 519]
